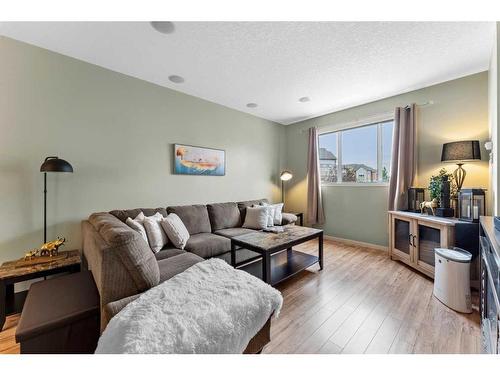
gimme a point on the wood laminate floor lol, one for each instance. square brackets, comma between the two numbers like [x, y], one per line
[362, 302]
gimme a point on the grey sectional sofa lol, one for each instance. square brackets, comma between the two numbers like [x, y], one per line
[124, 266]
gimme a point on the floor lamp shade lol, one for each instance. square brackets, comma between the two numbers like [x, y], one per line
[54, 164]
[459, 153]
[286, 175]
[51, 164]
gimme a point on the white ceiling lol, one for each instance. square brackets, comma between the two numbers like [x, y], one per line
[337, 64]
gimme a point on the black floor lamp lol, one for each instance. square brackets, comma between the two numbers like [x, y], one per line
[51, 164]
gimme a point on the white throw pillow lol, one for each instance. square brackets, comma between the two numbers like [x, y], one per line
[277, 214]
[156, 236]
[270, 215]
[270, 212]
[176, 230]
[137, 224]
[256, 217]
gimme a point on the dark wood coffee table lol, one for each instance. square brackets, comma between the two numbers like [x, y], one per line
[277, 261]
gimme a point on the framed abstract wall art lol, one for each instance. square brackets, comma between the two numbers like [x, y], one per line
[199, 161]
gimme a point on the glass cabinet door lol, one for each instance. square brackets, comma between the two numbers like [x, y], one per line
[428, 239]
[402, 237]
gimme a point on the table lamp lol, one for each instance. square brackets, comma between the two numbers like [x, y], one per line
[459, 153]
[51, 164]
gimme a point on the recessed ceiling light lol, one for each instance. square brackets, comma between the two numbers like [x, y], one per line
[176, 79]
[252, 105]
[164, 27]
[305, 99]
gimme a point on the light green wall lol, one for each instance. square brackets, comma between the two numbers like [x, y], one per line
[117, 132]
[460, 111]
[493, 105]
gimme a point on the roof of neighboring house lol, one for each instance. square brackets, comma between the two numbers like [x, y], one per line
[355, 167]
[324, 154]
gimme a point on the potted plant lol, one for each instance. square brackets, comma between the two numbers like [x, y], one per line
[436, 181]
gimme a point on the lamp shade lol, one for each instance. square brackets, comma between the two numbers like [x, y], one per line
[286, 175]
[54, 164]
[461, 151]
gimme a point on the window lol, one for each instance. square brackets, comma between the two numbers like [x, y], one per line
[359, 154]
[327, 158]
[363, 154]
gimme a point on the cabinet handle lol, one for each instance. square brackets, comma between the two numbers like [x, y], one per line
[413, 240]
[498, 333]
[409, 239]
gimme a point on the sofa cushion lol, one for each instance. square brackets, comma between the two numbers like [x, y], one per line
[207, 245]
[224, 215]
[130, 248]
[168, 252]
[194, 217]
[113, 308]
[233, 232]
[242, 206]
[123, 214]
[172, 266]
[288, 218]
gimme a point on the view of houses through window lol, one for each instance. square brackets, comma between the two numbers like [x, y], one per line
[364, 154]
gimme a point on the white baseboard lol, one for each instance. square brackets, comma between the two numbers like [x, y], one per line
[357, 243]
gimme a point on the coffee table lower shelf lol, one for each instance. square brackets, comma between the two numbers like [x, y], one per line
[283, 265]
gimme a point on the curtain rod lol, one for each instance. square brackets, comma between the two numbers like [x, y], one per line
[430, 102]
[367, 118]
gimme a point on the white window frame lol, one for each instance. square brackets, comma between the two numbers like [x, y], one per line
[355, 125]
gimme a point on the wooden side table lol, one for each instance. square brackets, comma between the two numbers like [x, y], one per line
[300, 216]
[13, 272]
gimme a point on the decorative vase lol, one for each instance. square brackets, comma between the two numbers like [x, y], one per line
[444, 198]
[444, 209]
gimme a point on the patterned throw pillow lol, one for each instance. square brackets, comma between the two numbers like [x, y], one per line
[156, 236]
[277, 214]
[176, 230]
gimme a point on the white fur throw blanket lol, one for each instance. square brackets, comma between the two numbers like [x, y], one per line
[209, 308]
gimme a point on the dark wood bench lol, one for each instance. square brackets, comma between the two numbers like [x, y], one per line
[60, 315]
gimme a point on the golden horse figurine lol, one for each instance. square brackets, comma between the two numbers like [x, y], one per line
[50, 248]
[432, 205]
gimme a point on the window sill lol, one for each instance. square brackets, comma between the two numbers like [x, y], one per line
[357, 184]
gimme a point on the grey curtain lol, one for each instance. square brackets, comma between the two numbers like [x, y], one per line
[315, 214]
[403, 163]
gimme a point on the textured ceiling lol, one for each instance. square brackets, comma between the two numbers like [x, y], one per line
[337, 64]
